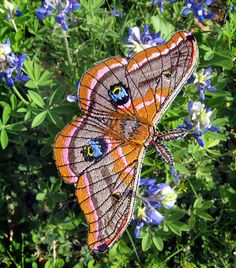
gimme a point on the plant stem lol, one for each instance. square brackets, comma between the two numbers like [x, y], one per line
[20, 96]
[132, 242]
[14, 25]
[181, 249]
[195, 193]
[67, 48]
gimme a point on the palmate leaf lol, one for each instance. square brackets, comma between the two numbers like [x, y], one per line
[38, 76]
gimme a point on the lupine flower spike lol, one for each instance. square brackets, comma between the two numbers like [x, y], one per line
[11, 9]
[48, 6]
[203, 80]
[11, 65]
[137, 41]
[155, 197]
[199, 10]
[200, 121]
[160, 3]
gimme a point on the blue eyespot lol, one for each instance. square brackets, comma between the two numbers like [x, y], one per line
[119, 94]
[94, 149]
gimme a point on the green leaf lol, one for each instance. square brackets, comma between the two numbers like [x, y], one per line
[163, 25]
[27, 116]
[13, 102]
[36, 98]
[45, 150]
[56, 120]
[28, 68]
[93, 264]
[158, 243]
[59, 197]
[222, 59]
[197, 202]
[204, 215]
[209, 55]
[57, 96]
[39, 119]
[18, 35]
[6, 114]
[174, 227]
[207, 204]
[191, 222]
[40, 196]
[146, 242]
[16, 127]
[31, 84]
[182, 169]
[4, 139]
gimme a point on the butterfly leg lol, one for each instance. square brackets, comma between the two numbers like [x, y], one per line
[172, 134]
[164, 152]
[169, 135]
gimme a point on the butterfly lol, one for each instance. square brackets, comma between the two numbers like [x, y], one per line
[102, 151]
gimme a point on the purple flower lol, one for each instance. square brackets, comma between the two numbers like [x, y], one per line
[73, 97]
[203, 80]
[161, 195]
[200, 121]
[147, 215]
[138, 41]
[155, 197]
[72, 5]
[61, 18]
[116, 13]
[11, 9]
[198, 9]
[160, 4]
[43, 12]
[61, 8]
[175, 174]
[11, 65]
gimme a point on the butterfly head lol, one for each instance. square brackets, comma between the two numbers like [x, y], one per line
[94, 149]
[119, 94]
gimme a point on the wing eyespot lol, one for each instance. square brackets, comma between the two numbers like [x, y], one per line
[119, 94]
[94, 149]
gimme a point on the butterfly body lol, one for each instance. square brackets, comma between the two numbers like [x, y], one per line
[102, 151]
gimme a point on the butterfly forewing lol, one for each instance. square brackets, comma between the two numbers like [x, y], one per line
[156, 75]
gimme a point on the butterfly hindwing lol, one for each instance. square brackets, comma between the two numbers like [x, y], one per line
[106, 196]
[99, 157]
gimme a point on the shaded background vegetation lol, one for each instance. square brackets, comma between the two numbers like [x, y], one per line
[41, 224]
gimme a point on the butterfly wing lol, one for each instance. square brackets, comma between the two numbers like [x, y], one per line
[106, 167]
[156, 75]
[148, 83]
[98, 87]
[102, 151]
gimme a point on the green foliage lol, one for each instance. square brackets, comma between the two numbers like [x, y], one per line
[41, 225]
